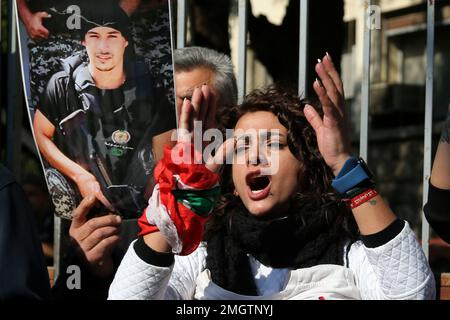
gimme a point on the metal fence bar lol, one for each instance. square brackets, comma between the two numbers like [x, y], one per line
[365, 85]
[303, 48]
[181, 23]
[428, 120]
[242, 50]
[57, 248]
[1, 68]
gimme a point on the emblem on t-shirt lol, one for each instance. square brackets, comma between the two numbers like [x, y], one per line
[121, 137]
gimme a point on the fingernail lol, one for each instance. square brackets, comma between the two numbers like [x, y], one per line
[118, 219]
[305, 109]
[329, 57]
[319, 61]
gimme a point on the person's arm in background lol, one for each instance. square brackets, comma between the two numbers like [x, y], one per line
[130, 6]
[33, 21]
[86, 182]
[440, 175]
[437, 209]
[23, 274]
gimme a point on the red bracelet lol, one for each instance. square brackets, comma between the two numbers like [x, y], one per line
[363, 198]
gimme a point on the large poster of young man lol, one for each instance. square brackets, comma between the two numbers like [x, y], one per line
[99, 85]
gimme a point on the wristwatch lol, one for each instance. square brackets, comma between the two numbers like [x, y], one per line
[353, 173]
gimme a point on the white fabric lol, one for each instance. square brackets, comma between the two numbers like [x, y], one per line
[268, 280]
[396, 270]
[133, 268]
[158, 215]
[329, 282]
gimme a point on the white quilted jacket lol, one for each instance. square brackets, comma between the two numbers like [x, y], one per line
[396, 270]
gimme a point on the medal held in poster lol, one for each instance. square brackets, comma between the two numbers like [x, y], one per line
[121, 137]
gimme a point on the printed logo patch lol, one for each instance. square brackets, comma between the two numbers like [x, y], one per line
[121, 137]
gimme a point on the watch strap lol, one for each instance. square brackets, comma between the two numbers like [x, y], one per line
[350, 176]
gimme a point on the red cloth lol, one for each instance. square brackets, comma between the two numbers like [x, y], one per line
[189, 225]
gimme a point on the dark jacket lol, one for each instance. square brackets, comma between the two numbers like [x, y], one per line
[22, 269]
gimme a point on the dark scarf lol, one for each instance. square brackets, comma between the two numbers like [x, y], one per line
[299, 240]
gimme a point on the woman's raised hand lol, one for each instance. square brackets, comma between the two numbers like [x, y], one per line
[332, 128]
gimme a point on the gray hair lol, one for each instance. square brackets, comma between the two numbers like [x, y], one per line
[190, 58]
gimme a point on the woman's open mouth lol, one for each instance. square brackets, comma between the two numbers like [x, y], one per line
[258, 187]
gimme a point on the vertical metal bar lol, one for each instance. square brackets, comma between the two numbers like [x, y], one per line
[365, 88]
[1, 16]
[0, 24]
[1, 72]
[242, 49]
[303, 48]
[181, 23]
[428, 120]
[14, 101]
[57, 240]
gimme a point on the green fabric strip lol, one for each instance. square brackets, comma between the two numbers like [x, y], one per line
[202, 202]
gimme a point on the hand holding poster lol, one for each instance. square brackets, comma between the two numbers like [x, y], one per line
[100, 98]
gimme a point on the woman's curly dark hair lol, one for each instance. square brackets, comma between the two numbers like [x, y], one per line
[315, 191]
